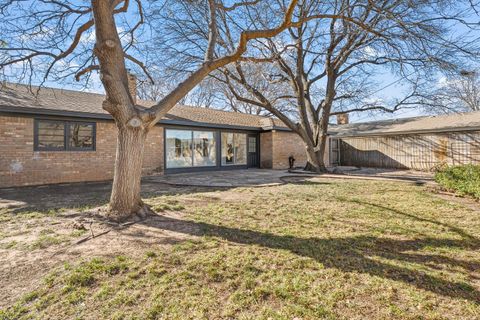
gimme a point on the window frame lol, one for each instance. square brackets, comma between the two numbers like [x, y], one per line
[191, 144]
[66, 135]
[235, 163]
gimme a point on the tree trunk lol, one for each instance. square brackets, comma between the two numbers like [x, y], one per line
[125, 199]
[315, 161]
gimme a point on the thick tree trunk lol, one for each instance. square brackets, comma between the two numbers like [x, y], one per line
[315, 162]
[315, 153]
[125, 200]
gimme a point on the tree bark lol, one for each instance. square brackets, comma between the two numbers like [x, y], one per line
[125, 199]
[315, 162]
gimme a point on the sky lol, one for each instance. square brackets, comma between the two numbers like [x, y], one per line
[389, 87]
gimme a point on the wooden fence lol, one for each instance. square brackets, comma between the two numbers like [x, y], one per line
[416, 151]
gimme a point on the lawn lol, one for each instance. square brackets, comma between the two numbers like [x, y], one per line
[320, 249]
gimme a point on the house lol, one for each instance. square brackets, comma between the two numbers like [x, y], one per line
[65, 136]
[421, 143]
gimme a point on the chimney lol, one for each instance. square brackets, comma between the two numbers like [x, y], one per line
[132, 86]
[342, 118]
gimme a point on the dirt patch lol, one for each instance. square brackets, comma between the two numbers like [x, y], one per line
[32, 247]
[468, 202]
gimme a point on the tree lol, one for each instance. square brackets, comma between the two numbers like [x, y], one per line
[458, 92]
[326, 67]
[50, 37]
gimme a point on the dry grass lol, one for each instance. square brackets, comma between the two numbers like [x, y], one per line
[321, 249]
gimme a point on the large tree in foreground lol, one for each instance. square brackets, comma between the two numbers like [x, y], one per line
[51, 39]
[325, 67]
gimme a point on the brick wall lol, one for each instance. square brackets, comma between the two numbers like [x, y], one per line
[266, 154]
[277, 146]
[20, 165]
[285, 144]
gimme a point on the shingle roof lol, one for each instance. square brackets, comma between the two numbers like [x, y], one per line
[441, 123]
[19, 98]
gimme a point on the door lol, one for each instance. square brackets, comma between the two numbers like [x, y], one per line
[334, 152]
[252, 148]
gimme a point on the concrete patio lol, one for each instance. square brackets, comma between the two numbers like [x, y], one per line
[78, 194]
[266, 177]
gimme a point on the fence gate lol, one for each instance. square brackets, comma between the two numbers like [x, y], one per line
[334, 152]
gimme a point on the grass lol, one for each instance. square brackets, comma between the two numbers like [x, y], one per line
[463, 180]
[334, 250]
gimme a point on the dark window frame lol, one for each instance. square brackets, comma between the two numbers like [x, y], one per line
[66, 135]
[191, 130]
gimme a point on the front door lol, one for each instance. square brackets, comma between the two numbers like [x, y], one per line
[252, 148]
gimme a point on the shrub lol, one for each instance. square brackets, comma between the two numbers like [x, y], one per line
[463, 180]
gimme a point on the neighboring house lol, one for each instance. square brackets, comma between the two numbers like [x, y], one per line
[421, 143]
[65, 136]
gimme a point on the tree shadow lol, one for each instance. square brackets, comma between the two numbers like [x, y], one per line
[359, 254]
[81, 194]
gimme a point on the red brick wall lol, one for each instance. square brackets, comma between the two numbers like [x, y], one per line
[277, 146]
[266, 154]
[285, 144]
[20, 165]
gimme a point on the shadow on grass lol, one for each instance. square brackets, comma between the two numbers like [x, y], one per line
[80, 195]
[360, 254]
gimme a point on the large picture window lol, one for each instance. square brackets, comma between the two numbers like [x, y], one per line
[187, 148]
[57, 135]
[234, 148]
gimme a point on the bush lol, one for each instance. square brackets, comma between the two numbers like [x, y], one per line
[463, 180]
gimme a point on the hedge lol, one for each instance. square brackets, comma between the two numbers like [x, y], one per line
[463, 180]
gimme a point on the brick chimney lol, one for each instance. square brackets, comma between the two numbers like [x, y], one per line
[342, 118]
[132, 86]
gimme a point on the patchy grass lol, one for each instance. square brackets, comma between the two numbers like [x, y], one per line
[323, 250]
[464, 180]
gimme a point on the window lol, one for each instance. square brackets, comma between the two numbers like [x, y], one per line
[178, 148]
[187, 148]
[204, 149]
[234, 148]
[57, 135]
[252, 144]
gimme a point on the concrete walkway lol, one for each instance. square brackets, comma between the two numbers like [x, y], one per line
[264, 177]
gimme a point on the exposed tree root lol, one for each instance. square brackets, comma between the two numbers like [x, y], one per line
[313, 168]
[142, 211]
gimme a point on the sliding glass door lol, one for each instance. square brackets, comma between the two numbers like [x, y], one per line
[188, 148]
[234, 148]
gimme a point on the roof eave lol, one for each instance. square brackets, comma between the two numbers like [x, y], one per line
[86, 115]
[406, 132]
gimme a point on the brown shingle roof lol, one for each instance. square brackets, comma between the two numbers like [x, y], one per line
[441, 123]
[18, 98]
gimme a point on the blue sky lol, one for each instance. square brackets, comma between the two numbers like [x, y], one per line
[383, 77]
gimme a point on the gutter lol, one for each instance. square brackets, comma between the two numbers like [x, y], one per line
[90, 115]
[409, 132]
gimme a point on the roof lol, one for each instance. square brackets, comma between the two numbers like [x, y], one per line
[467, 121]
[17, 98]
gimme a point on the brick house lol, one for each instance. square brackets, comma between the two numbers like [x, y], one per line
[65, 136]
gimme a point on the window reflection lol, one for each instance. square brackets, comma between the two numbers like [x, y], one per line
[80, 135]
[234, 148]
[186, 148]
[178, 148]
[204, 149]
